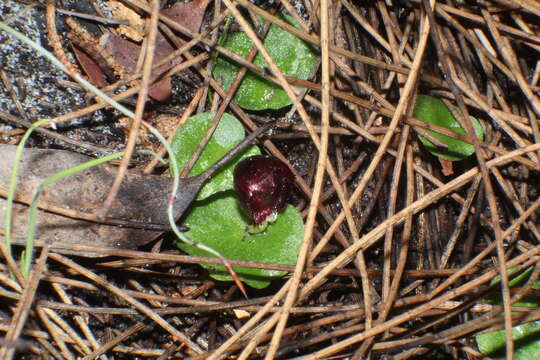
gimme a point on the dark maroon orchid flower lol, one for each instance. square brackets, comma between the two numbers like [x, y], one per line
[263, 184]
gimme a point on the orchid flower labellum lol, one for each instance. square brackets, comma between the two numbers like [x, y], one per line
[263, 184]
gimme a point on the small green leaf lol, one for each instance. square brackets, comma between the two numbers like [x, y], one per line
[526, 342]
[526, 336]
[434, 111]
[220, 222]
[519, 279]
[228, 133]
[292, 56]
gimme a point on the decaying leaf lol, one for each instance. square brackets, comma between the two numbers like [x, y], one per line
[91, 68]
[125, 53]
[142, 201]
[190, 14]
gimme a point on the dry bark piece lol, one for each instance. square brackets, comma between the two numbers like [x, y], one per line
[141, 199]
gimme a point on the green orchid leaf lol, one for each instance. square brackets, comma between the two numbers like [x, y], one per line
[292, 56]
[228, 133]
[220, 222]
[526, 342]
[217, 218]
[434, 111]
[515, 279]
[526, 336]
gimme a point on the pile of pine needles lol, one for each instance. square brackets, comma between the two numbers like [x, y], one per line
[397, 258]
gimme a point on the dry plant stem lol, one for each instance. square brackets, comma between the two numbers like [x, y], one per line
[6, 280]
[12, 94]
[346, 328]
[478, 99]
[459, 223]
[391, 210]
[223, 106]
[217, 354]
[509, 191]
[122, 294]
[413, 313]
[385, 141]
[362, 21]
[370, 238]
[23, 307]
[521, 35]
[139, 111]
[117, 340]
[68, 330]
[511, 59]
[55, 41]
[256, 305]
[404, 245]
[452, 279]
[139, 258]
[475, 42]
[129, 92]
[48, 346]
[393, 287]
[449, 70]
[52, 134]
[317, 187]
[78, 318]
[291, 93]
[187, 113]
[387, 297]
[57, 334]
[531, 6]
[12, 264]
[100, 19]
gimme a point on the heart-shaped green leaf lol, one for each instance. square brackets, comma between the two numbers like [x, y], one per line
[292, 56]
[434, 111]
[228, 133]
[220, 222]
[217, 218]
